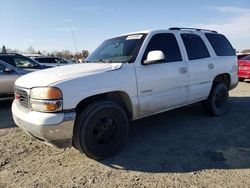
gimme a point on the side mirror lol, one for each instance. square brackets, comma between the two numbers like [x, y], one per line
[5, 69]
[8, 70]
[154, 56]
[2, 69]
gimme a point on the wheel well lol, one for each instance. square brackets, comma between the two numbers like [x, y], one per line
[120, 97]
[225, 78]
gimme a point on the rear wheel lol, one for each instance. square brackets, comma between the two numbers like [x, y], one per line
[217, 102]
[101, 129]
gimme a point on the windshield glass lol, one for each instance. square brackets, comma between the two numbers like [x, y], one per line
[121, 49]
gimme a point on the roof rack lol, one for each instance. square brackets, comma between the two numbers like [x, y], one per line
[187, 28]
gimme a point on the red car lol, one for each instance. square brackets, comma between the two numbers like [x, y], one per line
[244, 68]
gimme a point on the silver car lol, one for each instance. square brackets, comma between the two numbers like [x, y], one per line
[8, 76]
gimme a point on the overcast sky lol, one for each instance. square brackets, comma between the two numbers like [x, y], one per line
[50, 25]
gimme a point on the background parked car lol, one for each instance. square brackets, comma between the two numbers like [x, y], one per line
[241, 55]
[8, 76]
[21, 62]
[52, 61]
[244, 68]
[74, 60]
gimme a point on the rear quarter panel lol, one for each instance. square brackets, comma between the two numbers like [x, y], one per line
[227, 64]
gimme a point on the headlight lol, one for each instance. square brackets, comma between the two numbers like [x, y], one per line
[46, 93]
[46, 99]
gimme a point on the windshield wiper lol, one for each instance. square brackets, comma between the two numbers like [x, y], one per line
[105, 61]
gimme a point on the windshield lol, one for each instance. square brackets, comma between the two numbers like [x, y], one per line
[121, 49]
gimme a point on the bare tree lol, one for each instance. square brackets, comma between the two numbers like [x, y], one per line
[30, 50]
[4, 49]
[246, 51]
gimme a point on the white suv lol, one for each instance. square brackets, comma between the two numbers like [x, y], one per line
[127, 77]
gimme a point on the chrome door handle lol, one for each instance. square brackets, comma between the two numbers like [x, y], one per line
[183, 70]
[210, 66]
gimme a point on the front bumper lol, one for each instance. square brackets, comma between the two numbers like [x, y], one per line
[52, 128]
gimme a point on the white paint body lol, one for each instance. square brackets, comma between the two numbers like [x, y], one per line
[152, 88]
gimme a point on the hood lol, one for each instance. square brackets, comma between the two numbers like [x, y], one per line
[48, 76]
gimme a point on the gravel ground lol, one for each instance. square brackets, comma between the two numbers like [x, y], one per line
[179, 148]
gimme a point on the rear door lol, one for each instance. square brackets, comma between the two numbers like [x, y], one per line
[200, 65]
[162, 85]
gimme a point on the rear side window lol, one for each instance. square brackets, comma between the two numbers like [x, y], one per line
[38, 60]
[220, 44]
[195, 47]
[46, 60]
[61, 61]
[167, 43]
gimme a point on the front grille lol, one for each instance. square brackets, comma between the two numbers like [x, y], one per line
[22, 97]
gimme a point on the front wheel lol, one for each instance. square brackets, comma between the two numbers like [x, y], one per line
[101, 129]
[217, 102]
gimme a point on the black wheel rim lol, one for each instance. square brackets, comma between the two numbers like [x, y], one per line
[104, 130]
[220, 98]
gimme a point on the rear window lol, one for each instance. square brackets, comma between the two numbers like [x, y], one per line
[246, 58]
[195, 47]
[220, 44]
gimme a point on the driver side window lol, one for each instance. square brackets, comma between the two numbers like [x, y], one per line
[167, 43]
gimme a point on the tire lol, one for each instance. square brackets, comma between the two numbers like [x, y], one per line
[217, 102]
[100, 130]
[241, 79]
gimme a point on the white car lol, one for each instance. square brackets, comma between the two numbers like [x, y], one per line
[127, 77]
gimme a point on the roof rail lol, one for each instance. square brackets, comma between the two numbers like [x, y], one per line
[7, 53]
[187, 28]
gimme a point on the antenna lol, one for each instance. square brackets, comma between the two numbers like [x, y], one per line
[74, 39]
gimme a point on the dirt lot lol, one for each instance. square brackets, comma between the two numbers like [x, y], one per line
[180, 148]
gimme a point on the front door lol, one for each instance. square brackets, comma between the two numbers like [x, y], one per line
[162, 85]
